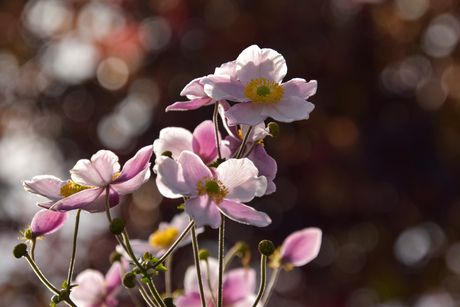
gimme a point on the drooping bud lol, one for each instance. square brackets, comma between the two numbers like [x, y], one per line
[266, 247]
[20, 250]
[114, 256]
[117, 226]
[128, 280]
[274, 129]
[203, 254]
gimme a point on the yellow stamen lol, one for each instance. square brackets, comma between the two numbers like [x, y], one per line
[163, 238]
[214, 188]
[71, 188]
[28, 236]
[275, 261]
[263, 91]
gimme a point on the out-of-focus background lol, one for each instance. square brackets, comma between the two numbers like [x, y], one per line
[376, 167]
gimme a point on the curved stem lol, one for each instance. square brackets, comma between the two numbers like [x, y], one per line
[243, 145]
[144, 294]
[155, 293]
[32, 248]
[263, 277]
[270, 286]
[197, 266]
[41, 276]
[221, 263]
[208, 277]
[74, 249]
[216, 128]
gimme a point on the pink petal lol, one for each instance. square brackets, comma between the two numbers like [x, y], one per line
[133, 184]
[244, 214]
[228, 69]
[238, 284]
[194, 89]
[90, 289]
[301, 246]
[255, 63]
[136, 164]
[191, 281]
[190, 105]
[266, 165]
[45, 185]
[113, 278]
[98, 172]
[300, 88]
[173, 139]
[224, 87]
[170, 179]
[240, 177]
[91, 200]
[203, 211]
[289, 109]
[193, 168]
[247, 113]
[45, 222]
[188, 300]
[204, 142]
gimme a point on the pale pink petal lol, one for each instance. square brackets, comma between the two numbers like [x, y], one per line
[204, 142]
[173, 139]
[91, 200]
[191, 281]
[188, 300]
[165, 190]
[194, 89]
[228, 69]
[203, 211]
[45, 222]
[244, 214]
[255, 63]
[133, 184]
[193, 168]
[98, 172]
[113, 278]
[171, 179]
[266, 165]
[240, 177]
[45, 185]
[224, 87]
[190, 105]
[247, 113]
[247, 301]
[136, 164]
[90, 289]
[238, 284]
[289, 109]
[300, 88]
[301, 246]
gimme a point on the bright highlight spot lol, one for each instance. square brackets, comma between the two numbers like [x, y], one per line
[112, 73]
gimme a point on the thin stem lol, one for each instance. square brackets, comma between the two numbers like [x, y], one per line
[208, 277]
[271, 286]
[168, 277]
[243, 145]
[232, 253]
[263, 277]
[221, 263]
[216, 128]
[144, 294]
[155, 293]
[251, 149]
[197, 266]
[41, 276]
[74, 249]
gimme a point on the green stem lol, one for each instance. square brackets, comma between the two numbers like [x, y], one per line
[216, 128]
[144, 294]
[155, 293]
[197, 266]
[41, 276]
[208, 277]
[74, 249]
[221, 263]
[271, 286]
[32, 248]
[232, 253]
[263, 277]
[168, 277]
[243, 145]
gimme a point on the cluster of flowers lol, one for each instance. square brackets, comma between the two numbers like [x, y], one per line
[214, 176]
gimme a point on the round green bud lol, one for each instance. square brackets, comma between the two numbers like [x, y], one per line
[129, 280]
[167, 153]
[266, 247]
[117, 226]
[114, 256]
[203, 254]
[274, 129]
[20, 250]
[169, 302]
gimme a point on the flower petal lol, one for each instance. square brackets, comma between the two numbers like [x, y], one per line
[244, 214]
[255, 63]
[245, 113]
[170, 179]
[224, 87]
[136, 164]
[194, 89]
[239, 176]
[133, 184]
[98, 172]
[266, 165]
[188, 300]
[193, 168]
[46, 221]
[90, 290]
[289, 109]
[301, 246]
[300, 88]
[190, 105]
[91, 200]
[238, 284]
[173, 139]
[203, 211]
[45, 185]
[204, 142]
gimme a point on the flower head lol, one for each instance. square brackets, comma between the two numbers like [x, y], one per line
[211, 193]
[298, 248]
[259, 91]
[90, 178]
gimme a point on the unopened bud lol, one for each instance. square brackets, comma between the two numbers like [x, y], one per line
[203, 254]
[114, 256]
[20, 250]
[266, 247]
[274, 129]
[129, 280]
[117, 226]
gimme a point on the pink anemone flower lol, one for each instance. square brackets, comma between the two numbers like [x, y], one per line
[90, 178]
[209, 194]
[259, 91]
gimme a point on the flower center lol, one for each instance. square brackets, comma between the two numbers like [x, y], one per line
[263, 91]
[163, 238]
[71, 188]
[213, 188]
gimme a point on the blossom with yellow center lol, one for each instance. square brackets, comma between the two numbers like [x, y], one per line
[163, 238]
[71, 188]
[213, 188]
[263, 91]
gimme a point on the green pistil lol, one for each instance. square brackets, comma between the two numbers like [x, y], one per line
[263, 90]
[212, 187]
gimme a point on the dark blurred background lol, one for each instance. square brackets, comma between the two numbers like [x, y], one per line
[376, 166]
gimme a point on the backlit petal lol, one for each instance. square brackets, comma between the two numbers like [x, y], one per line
[244, 214]
[245, 113]
[173, 139]
[203, 211]
[238, 284]
[98, 172]
[45, 222]
[289, 109]
[223, 87]
[301, 246]
[204, 142]
[136, 164]
[45, 185]
[300, 88]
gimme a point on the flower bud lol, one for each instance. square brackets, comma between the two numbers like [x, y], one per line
[20, 250]
[117, 226]
[274, 129]
[203, 254]
[266, 247]
[114, 256]
[128, 280]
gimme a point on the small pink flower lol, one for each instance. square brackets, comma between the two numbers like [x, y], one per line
[259, 90]
[209, 194]
[90, 178]
[299, 248]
